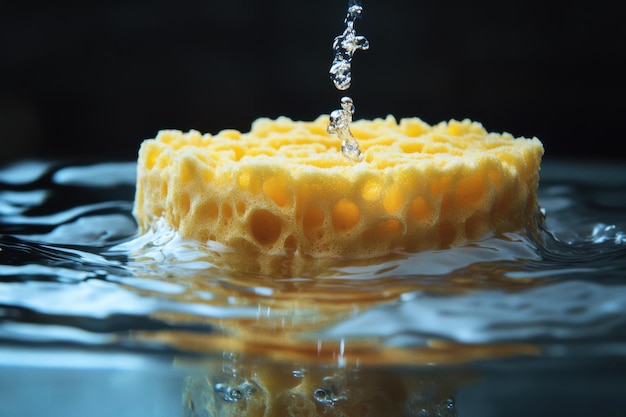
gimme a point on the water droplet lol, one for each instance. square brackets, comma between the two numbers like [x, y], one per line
[351, 150]
[348, 105]
[340, 125]
[345, 45]
[354, 10]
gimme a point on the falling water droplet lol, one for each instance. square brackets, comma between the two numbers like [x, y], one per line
[340, 125]
[345, 45]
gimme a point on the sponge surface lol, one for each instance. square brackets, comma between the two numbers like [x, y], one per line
[285, 186]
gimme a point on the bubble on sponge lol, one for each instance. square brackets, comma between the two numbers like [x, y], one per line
[285, 186]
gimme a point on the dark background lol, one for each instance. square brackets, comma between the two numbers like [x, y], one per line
[94, 79]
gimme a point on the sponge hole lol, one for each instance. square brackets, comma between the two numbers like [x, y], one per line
[249, 183]
[412, 147]
[471, 191]
[265, 227]
[241, 208]
[184, 204]
[371, 189]
[226, 214]
[278, 191]
[290, 244]
[390, 227]
[421, 210]
[393, 200]
[346, 215]
[312, 219]
[227, 211]
[208, 210]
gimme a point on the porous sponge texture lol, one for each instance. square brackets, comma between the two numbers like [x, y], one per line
[285, 186]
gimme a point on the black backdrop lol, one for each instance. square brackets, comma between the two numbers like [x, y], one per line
[94, 79]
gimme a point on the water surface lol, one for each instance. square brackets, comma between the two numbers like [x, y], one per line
[451, 329]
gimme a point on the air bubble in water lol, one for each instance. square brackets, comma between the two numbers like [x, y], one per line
[427, 405]
[235, 393]
[331, 391]
[228, 393]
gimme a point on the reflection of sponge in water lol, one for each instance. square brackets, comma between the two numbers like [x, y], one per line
[285, 186]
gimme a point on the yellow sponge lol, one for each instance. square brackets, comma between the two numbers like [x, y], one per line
[286, 187]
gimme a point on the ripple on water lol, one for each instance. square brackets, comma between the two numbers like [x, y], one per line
[72, 263]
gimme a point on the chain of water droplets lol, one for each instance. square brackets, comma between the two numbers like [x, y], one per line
[345, 45]
[340, 71]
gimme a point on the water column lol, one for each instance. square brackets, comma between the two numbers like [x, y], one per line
[345, 45]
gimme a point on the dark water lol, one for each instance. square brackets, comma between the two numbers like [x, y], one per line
[97, 319]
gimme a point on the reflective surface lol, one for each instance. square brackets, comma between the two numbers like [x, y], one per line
[509, 325]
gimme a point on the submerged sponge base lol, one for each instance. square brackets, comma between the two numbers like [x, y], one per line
[285, 186]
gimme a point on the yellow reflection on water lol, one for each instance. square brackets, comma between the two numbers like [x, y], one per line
[278, 307]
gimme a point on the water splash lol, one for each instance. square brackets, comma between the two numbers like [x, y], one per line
[340, 125]
[345, 45]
